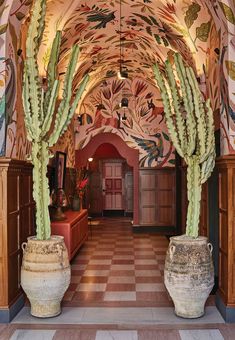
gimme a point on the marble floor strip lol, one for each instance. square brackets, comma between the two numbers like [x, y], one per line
[119, 315]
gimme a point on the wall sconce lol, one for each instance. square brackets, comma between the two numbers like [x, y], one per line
[90, 159]
[124, 102]
[122, 74]
[124, 117]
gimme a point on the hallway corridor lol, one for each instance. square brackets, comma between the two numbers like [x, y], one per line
[117, 293]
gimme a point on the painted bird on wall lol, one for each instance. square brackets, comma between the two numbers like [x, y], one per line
[103, 16]
[154, 148]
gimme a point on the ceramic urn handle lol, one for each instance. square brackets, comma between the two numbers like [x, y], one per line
[210, 247]
[171, 250]
[23, 246]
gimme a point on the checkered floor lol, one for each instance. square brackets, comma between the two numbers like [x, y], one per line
[116, 267]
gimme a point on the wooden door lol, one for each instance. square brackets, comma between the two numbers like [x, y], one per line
[112, 185]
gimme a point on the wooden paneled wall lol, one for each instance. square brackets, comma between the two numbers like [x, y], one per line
[157, 197]
[226, 170]
[16, 224]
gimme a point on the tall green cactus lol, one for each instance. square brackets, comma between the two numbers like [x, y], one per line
[190, 123]
[44, 124]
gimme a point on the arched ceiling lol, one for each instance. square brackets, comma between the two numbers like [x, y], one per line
[150, 31]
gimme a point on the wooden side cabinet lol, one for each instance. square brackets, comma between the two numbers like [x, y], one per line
[16, 224]
[74, 229]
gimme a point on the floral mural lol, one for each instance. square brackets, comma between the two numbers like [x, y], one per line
[141, 124]
[201, 30]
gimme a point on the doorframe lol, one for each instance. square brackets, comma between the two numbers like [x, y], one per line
[131, 155]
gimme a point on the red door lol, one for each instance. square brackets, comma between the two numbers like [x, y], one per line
[112, 185]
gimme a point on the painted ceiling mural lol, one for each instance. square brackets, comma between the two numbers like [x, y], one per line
[141, 124]
[203, 32]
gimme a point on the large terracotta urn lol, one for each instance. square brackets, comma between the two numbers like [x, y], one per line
[45, 274]
[189, 274]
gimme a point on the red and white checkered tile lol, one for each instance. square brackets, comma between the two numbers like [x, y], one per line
[118, 267]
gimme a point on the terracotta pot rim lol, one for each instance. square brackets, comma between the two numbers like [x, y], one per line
[184, 238]
[53, 238]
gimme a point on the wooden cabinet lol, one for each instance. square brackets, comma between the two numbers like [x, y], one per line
[74, 229]
[16, 224]
[157, 197]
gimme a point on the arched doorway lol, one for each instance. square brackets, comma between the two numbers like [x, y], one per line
[130, 155]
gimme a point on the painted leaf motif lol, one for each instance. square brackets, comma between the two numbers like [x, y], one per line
[3, 28]
[154, 20]
[165, 136]
[191, 14]
[28, 2]
[229, 15]
[20, 15]
[144, 18]
[202, 32]
[230, 68]
[171, 161]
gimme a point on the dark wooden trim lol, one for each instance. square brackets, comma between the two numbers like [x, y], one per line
[226, 292]
[17, 222]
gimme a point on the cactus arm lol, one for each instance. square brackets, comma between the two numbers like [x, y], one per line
[26, 105]
[199, 113]
[180, 126]
[167, 109]
[52, 67]
[199, 153]
[63, 109]
[188, 104]
[207, 167]
[194, 196]
[39, 110]
[35, 31]
[210, 127]
[50, 110]
[79, 93]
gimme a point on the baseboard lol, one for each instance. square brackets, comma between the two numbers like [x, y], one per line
[216, 286]
[154, 229]
[7, 314]
[113, 213]
[228, 313]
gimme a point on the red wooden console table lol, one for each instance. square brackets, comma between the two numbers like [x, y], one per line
[74, 229]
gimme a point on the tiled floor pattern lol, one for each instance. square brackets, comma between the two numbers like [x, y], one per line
[218, 332]
[115, 275]
[116, 267]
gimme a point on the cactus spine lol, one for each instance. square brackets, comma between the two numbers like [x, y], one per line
[190, 123]
[39, 108]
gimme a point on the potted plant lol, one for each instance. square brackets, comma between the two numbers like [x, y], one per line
[189, 273]
[80, 181]
[45, 271]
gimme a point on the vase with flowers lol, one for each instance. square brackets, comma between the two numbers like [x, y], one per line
[80, 183]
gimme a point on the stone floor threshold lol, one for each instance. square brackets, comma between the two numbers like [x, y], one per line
[119, 316]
